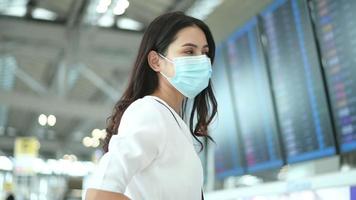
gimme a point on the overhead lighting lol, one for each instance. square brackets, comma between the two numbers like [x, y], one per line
[101, 9]
[121, 6]
[69, 167]
[345, 168]
[298, 173]
[249, 180]
[96, 133]
[91, 142]
[16, 11]
[106, 20]
[41, 13]
[118, 11]
[202, 8]
[95, 143]
[103, 6]
[103, 134]
[129, 24]
[40, 166]
[123, 3]
[87, 141]
[42, 120]
[6, 163]
[70, 157]
[51, 120]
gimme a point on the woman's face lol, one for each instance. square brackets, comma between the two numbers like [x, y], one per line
[190, 41]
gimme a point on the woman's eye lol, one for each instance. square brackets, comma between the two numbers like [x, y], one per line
[189, 52]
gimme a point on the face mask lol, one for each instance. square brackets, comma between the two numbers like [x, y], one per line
[192, 74]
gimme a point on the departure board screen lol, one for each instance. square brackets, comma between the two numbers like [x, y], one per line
[253, 99]
[224, 128]
[335, 23]
[297, 82]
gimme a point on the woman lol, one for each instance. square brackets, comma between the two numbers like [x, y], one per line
[151, 154]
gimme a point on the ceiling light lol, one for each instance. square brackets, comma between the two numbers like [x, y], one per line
[70, 157]
[42, 120]
[16, 11]
[41, 13]
[96, 133]
[103, 134]
[40, 166]
[103, 6]
[121, 7]
[101, 9]
[73, 157]
[87, 141]
[118, 11]
[129, 24]
[105, 2]
[6, 163]
[106, 20]
[123, 3]
[202, 8]
[249, 180]
[345, 168]
[95, 143]
[51, 120]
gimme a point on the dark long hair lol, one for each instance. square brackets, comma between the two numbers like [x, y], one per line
[143, 81]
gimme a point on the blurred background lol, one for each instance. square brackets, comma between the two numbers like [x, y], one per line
[284, 77]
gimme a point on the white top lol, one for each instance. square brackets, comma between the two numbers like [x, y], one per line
[151, 157]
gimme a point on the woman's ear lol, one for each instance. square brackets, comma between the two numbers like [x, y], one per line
[154, 61]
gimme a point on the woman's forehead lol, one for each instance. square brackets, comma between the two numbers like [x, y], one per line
[190, 36]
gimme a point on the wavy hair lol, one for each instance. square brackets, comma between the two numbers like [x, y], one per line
[143, 81]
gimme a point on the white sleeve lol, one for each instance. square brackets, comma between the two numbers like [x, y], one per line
[140, 139]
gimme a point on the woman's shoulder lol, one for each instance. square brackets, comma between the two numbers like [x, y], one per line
[143, 114]
[145, 109]
[144, 106]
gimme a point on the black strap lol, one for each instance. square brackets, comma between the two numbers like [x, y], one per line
[202, 194]
[171, 113]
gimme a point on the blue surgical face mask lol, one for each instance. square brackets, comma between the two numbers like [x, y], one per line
[192, 74]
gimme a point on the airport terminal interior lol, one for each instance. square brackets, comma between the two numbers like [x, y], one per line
[284, 77]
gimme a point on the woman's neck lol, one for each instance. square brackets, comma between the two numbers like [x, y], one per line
[171, 96]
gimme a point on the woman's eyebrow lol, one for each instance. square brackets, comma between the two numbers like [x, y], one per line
[194, 45]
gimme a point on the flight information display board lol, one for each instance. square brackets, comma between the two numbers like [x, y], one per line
[297, 82]
[228, 160]
[336, 30]
[253, 99]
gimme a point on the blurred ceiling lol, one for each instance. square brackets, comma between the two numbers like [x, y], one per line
[236, 13]
[69, 58]
[72, 58]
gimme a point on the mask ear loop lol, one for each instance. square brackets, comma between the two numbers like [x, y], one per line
[168, 61]
[164, 57]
